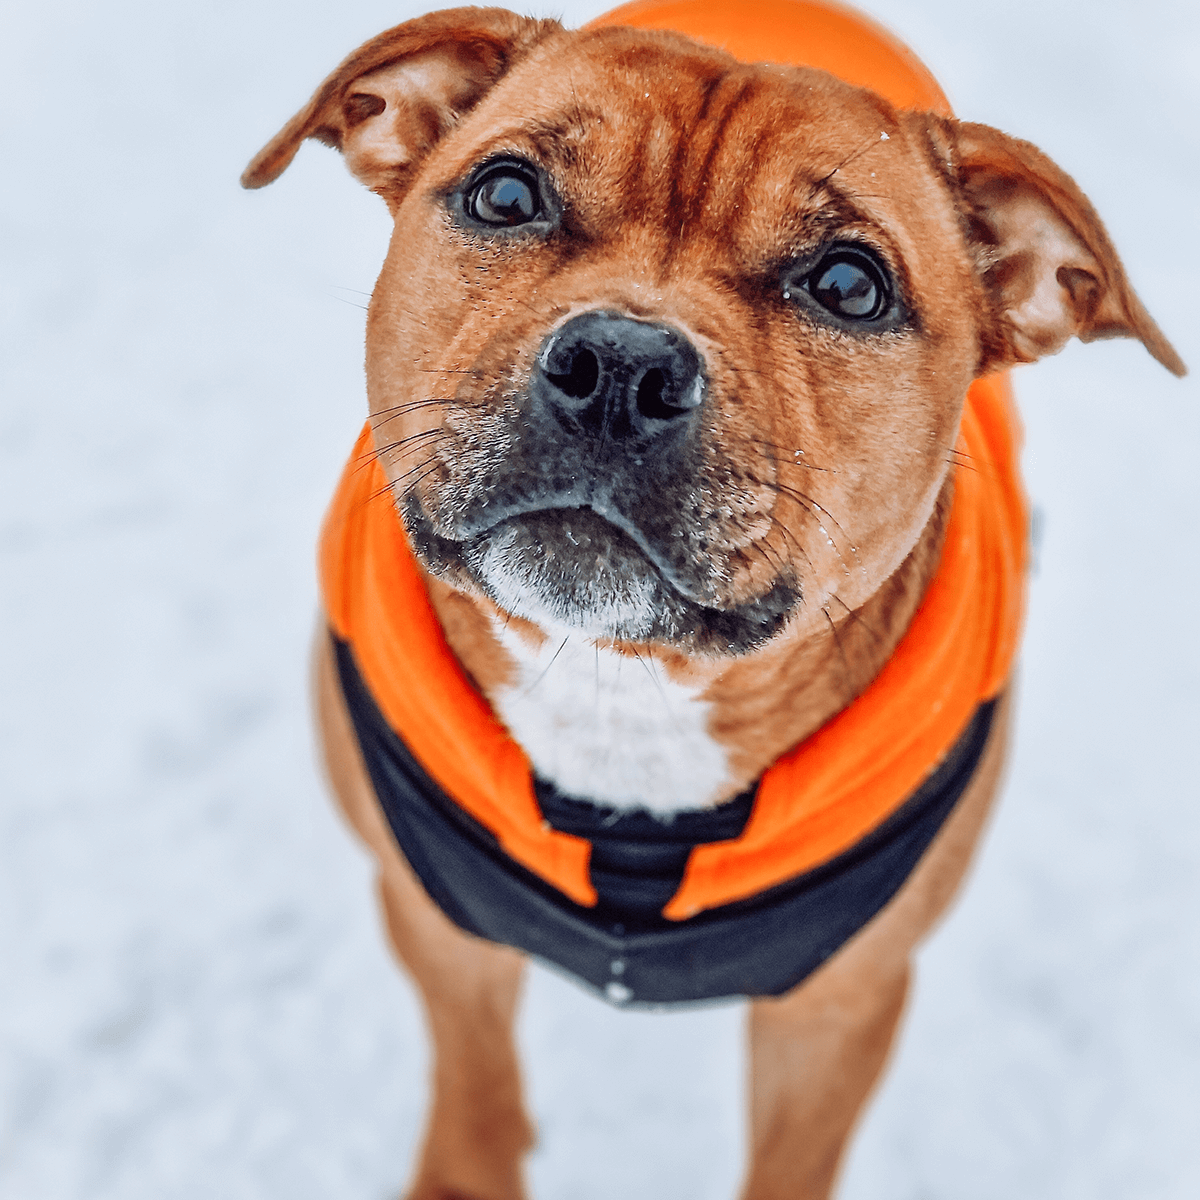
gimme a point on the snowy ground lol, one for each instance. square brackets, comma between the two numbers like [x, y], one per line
[195, 1000]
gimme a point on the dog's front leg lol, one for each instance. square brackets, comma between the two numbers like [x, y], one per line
[816, 1053]
[477, 1131]
[814, 1056]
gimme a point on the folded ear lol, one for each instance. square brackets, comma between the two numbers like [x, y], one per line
[1048, 269]
[389, 103]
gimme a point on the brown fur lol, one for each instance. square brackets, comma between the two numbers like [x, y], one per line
[687, 183]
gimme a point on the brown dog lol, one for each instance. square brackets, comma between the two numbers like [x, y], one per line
[666, 364]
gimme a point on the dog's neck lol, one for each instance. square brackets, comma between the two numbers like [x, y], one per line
[651, 727]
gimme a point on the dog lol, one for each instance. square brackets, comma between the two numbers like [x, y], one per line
[673, 588]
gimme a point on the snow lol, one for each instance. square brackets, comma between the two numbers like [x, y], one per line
[196, 999]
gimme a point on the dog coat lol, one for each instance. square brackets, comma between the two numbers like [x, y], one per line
[747, 898]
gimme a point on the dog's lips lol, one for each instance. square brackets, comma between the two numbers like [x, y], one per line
[574, 531]
[574, 566]
[589, 528]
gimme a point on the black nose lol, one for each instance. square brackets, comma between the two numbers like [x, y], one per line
[625, 378]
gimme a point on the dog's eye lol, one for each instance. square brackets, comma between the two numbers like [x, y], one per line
[850, 283]
[506, 196]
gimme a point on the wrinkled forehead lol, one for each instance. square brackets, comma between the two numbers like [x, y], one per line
[668, 132]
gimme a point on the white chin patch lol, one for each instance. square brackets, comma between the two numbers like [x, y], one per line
[610, 728]
[544, 590]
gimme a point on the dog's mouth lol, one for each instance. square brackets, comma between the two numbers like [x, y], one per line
[576, 569]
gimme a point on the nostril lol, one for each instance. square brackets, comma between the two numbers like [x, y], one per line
[657, 396]
[580, 382]
[650, 396]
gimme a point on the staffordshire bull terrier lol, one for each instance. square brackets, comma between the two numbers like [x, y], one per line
[673, 588]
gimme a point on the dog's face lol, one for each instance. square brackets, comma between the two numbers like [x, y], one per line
[698, 360]
[672, 349]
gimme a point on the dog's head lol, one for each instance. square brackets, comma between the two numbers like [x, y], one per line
[671, 348]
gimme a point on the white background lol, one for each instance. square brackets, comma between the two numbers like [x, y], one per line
[195, 1000]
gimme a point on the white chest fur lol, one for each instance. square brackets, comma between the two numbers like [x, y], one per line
[608, 727]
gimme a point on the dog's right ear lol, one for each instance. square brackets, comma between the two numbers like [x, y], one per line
[390, 102]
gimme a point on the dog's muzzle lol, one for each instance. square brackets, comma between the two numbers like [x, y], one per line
[593, 518]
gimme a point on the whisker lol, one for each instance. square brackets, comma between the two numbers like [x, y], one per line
[808, 505]
[771, 557]
[384, 415]
[437, 431]
[431, 463]
[424, 475]
[788, 452]
[553, 660]
[858, 618]
[633, 651]
[744, 558]
[379, 493]
[378, 453]
[960, 458]
[353, 291]
[794, 540]
[412, 405]
[869, 144]
[789, 460]
[649, 669]
[848, 681]
[537, 312]
[805, 502]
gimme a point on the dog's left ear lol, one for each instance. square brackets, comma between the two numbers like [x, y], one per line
[389, 103]
[1048, 269]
